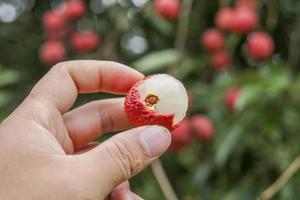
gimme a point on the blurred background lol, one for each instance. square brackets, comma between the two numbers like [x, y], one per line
[238, 60]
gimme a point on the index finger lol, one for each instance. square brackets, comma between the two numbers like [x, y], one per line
[61, 85]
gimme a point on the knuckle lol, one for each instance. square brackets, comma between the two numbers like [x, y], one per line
[127, 158]
[60, 65]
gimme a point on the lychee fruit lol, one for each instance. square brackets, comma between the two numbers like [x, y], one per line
[203, 127]
[74, 9]
[260, 45]
[212, 40]
[85, 42]
[224, 19]
[220, 60]
[168, 9]
[181, 136]
[52, 52]
[244, 20]
[157, 100]
[248, 4]
[231, 97]
[53, 21]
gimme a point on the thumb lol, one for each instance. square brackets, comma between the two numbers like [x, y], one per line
[125, 154]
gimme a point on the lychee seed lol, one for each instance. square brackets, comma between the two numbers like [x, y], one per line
[151, 100]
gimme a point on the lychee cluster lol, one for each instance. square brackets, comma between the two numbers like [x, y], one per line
[196, 128]
[240, 20]
[199, 127]
[59, 26]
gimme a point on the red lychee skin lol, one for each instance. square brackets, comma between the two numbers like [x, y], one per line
[74, 10]
[140, 115]
[168, 9]
[248, 4]
[244, 20]
[53, 21]
[85, 42]
[260, 45]
[224, 19]
[52, 52]
[212, 40]
[203, 127]
[221, 61]
[231, 97]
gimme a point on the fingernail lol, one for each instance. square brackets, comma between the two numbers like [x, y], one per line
[155, 140]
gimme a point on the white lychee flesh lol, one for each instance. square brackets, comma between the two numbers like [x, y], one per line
[171, 93]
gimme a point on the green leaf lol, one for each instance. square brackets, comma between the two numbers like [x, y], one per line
[155, 61]
[227, 146]
[249, 94]
[8, 77]
[5, 97]
[203, 172]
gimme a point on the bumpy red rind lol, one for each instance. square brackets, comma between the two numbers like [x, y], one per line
[140, 115]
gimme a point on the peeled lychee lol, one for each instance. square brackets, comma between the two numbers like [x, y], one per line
[157, 100]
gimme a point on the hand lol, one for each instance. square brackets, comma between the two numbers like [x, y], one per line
[46, 150]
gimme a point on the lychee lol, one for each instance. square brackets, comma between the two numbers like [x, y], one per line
[231, 97]
[224, 19]
[85, 42]
[74, 9]
[168, 9]
[157, 100]
[182, 134]
[53, 21]
[260, 45]
[52, 52]
[212, 40]
[203, 127]
[250, 4]
[244, 20]
[221, 60]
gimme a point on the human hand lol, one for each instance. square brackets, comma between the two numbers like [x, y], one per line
[46, 150]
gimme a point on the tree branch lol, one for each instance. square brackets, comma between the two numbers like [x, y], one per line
[163, 180]
[183, 26]
[281, 181]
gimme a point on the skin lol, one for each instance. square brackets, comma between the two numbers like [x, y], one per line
[46, 149]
